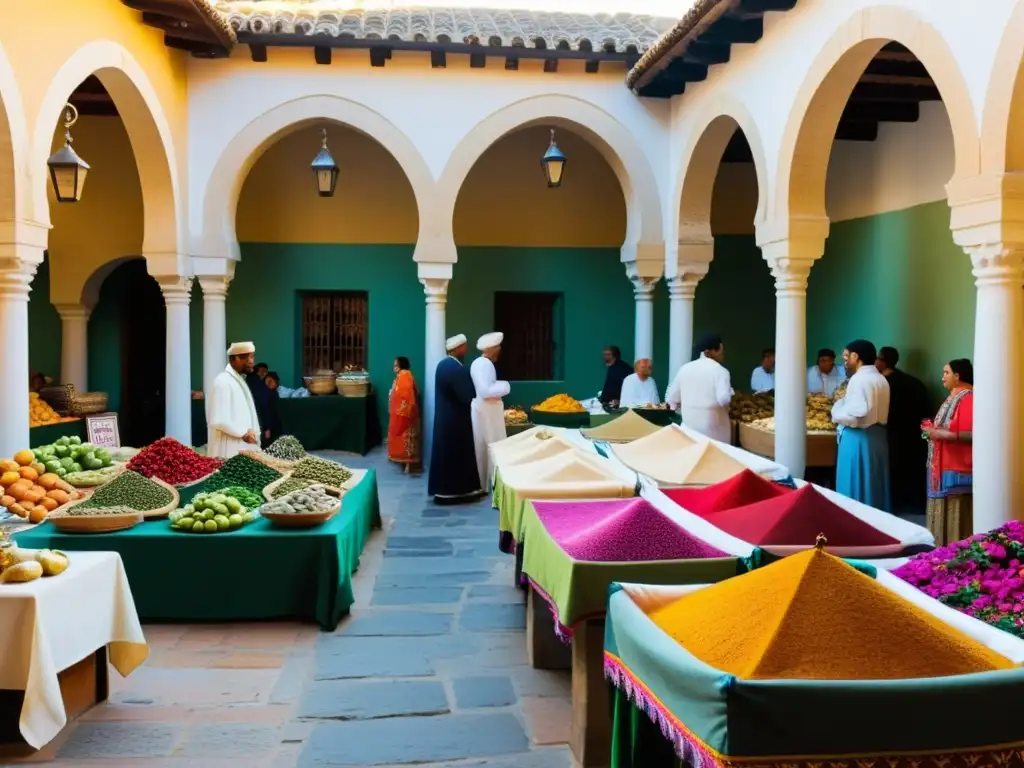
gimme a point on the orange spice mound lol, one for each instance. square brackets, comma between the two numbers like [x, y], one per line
[813, 616]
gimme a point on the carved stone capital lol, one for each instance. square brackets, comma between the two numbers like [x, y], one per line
[996, 264]
[214, 288]
[73, 311]
[177, 290]
[16, 278]
[435, 289]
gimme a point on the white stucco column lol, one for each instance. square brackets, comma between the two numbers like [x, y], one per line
[15, 282]
[791, 248]
[643, 338]
[215, 328]
[436, 292]
[74, 345]
[178, 388]
[681, 292]
[998, 419]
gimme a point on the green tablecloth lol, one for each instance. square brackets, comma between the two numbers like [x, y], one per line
[50, 433]
[323, 423]
[257, 572]
[637, 742]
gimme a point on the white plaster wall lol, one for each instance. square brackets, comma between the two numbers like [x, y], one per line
[766, 79]
[434, 108]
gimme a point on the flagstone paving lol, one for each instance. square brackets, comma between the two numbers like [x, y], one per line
[430, 669]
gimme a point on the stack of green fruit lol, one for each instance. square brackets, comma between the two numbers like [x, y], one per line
[70, 454]
[211, 513]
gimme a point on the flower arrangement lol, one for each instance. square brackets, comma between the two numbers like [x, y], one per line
[982, 576]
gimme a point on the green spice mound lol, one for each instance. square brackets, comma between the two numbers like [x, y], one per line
[246, 497]
[129, 489]
[241, 471]
[289, 485]
[321, 471]
[287, 448]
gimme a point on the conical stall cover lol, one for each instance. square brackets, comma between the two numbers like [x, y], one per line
[747, 487]
[626, 428]
[813, 616]
[569, 467]
[707, 464]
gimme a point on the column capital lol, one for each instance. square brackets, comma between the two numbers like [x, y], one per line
[644, 277]
[214, 288]
[177, 290]
[683, 286]
[435, 289]
[16, 278]
[73, 311]
[23, 240]
[997, 263]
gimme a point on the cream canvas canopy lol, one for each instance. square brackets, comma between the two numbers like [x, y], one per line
[516, 443]
[569, 475]
[671, 457]
[626, 428]
[532, 450]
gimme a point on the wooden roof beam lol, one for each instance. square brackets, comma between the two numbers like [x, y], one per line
[882, 92]
[881, 112]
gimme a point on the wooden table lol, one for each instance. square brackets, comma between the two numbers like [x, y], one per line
[821, 446]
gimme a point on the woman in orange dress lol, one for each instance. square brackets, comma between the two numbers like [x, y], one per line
[403, 418]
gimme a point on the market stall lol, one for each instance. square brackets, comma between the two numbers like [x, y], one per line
[59, 632]
[322, 423]
[711, 665]
[269, 571]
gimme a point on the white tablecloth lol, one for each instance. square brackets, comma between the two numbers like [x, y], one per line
[55, 622]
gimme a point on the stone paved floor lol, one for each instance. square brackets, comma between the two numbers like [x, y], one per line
[430, 669]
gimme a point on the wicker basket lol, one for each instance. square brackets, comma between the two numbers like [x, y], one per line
[85, 403]
[353, 387]
[58, 397]
[96, 523]
[320, 385]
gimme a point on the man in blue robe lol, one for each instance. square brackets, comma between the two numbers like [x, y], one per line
[862, 464]
[454, 478]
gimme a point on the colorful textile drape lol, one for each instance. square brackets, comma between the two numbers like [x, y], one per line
[403, 421]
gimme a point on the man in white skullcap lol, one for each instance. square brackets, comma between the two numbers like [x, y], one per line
[453, 472]
[232, 423]
[488, 409]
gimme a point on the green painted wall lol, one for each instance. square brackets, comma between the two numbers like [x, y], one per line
[43, 326]
[899, 280]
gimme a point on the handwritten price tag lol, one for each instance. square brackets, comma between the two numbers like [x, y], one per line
[102, 430]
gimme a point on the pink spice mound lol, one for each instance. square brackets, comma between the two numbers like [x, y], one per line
[623, 530]
[747, 487]
[796, 519]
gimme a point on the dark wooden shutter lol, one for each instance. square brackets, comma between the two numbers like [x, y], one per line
[528, 322]
[335, 330]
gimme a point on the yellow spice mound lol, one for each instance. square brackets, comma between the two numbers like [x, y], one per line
[812, 616]
[560, 404]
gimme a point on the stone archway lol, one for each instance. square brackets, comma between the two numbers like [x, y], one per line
[808, 135]
[220, 199]
[1002, 120]
[150, 135]
[13, 149]
[610, 137]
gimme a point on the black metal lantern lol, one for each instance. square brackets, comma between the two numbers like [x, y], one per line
[553, 163]
[67, 169]
[326, 171]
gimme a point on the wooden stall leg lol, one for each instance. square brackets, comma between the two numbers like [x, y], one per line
[518, 576]
[591, 720]
[544, 648]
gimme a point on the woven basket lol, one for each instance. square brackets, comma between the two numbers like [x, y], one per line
[308, 520]
[320, 385]
[95, 524]
[353, 387]
[85, 403]
[58, 397]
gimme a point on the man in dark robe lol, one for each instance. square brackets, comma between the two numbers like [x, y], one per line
[261, 399]
[908, 453]
[618, 370]
[454, 478]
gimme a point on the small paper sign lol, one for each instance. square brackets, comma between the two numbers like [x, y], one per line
[101, 430]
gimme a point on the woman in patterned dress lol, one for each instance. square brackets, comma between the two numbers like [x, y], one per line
[403, 418]
[950, 466]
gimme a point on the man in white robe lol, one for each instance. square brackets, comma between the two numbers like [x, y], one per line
[702, 391]
[639, 388]
[232, 423]
[488, 409]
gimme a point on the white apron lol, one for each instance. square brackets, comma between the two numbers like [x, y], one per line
[488, 427]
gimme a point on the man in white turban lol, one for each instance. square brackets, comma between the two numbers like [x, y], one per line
[232, 423]
[453, 474]
[488, 409]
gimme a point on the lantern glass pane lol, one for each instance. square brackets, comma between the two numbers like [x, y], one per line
[553, 168]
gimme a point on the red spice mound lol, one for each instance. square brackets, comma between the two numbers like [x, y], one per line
[173, 462]
[796, 519]
[747, 487]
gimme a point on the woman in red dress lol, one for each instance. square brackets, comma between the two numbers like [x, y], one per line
[950, 466]
[404, 418]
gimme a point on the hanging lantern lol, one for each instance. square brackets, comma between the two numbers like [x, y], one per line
[326, 170]
[67, 169]
[553, 163]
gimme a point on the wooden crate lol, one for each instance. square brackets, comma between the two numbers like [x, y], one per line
[821, 447]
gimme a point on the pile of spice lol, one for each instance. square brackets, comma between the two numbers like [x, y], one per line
[795, 519]
[290, 485]
[172, 462]
[982, 576]
[244, 472]
[80, 510]
[747, 487]
[246, 497]
[812, 616]
[321, 471]
[286, 447]
[128, 489]
[628, 530]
